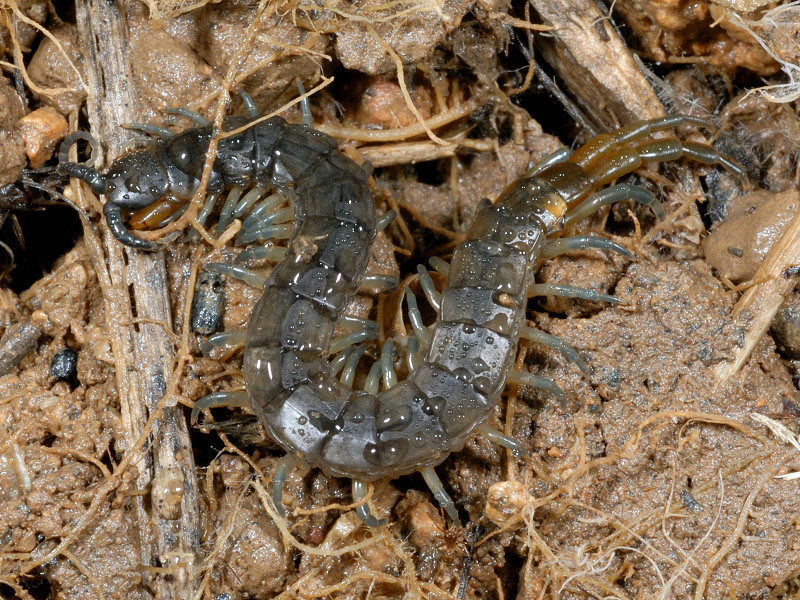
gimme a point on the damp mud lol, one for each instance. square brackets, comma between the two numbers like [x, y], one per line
[666, 474]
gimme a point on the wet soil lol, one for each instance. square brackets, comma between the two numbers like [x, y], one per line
[654, 480]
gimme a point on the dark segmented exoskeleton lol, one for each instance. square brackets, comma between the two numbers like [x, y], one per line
[465, 361]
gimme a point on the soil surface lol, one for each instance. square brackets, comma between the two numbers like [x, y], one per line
[660, 475]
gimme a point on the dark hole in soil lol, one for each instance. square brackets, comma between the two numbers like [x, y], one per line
[47, 234]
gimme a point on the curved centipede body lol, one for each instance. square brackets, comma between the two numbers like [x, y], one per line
[415, 424]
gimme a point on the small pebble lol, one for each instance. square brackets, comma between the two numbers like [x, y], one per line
[63, 363]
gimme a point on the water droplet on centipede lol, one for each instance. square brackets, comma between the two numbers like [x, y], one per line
[396, 418]
[462, 374]
[478, 365]
[358, 417]
[434, 406]
[392, 451]
[371, 454]
[301, 420]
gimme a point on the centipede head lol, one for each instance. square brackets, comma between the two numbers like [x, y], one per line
[136, 180]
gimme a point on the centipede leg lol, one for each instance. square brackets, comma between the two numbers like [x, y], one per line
[385, 220]
[351, 339]
[549, 160]
[255, 253]
[286, 465]
[226, 341]
[226, 214]
[536, 381]
[569, 291]
[217, 399]
[373, 380]
[360, 491]
[387, 366]
[358, 323]
[249, 104]
[422, 333]
[305, 106]
[378, 283]
[434, 297]
[251, 278]
[502, 440]
[440, 266]
[192, 115]
[442, 497]
[612, 195]
[149, 128]
[582, 242]
[551, 341]
[203, 215]
[350, 366]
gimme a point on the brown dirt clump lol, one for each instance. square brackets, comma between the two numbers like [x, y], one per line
[655, 479]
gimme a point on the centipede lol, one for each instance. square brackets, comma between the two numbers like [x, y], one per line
[459, 365]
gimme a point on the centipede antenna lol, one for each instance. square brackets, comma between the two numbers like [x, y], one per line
[217, 399]
[569, 291]
[251, 278]
[548, 161]
[517, 449]
[203, 215]
[66, 144]
[95, 179]
[422, 333]
[535, 381]
[378, 283]
[224, 339]
[359, 323]
[611, 195]
[150, 129]
[192, 115]
[373, 380]
[268, 251]
[351, 339]
[385, 220]
[387, 366]
[434, 297]
[582, 242]
[551, 341]
[249, 104]
[360, 491]
[285, 467]
[226, 214]
[442, 497]
[250, 198]
[440, 266]
[350, 366]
